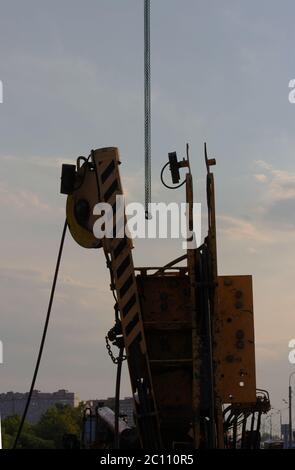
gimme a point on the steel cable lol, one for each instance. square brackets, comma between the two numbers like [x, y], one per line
[24, 415]
[147, 107]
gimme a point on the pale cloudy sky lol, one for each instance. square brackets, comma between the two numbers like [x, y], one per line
[72, 74]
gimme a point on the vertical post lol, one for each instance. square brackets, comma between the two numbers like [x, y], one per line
[0, 434]
[219, 431]
[258, 436]
[192, 267]
[290, 415]
[281, 435]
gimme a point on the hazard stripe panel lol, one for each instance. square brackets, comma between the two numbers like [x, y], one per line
[108, 177]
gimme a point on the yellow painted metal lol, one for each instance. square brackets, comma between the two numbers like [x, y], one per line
[234, 337]
[81, 235]
[88, 192]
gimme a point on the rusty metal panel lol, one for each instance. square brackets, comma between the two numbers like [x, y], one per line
[173, 389]
[166, 312]
[168, 344]
[234, 340]
[165, 298]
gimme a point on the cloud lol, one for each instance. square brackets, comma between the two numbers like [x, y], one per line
[264, 165]
[236, 228]
[18, 275]
[277, 196]
[280, 183]
[39, 277]
[35, 160]
[260, 177]
[21, 199]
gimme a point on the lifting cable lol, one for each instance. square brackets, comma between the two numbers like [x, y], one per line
[43, 337]
[117, 397]
[147, 106]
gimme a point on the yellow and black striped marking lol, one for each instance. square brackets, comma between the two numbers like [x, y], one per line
[106, 163]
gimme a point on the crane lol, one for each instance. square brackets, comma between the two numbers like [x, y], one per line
[186, 331]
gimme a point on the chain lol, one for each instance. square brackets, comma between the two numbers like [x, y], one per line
[110, 352]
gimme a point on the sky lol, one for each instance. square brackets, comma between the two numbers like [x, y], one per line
[72, 75]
